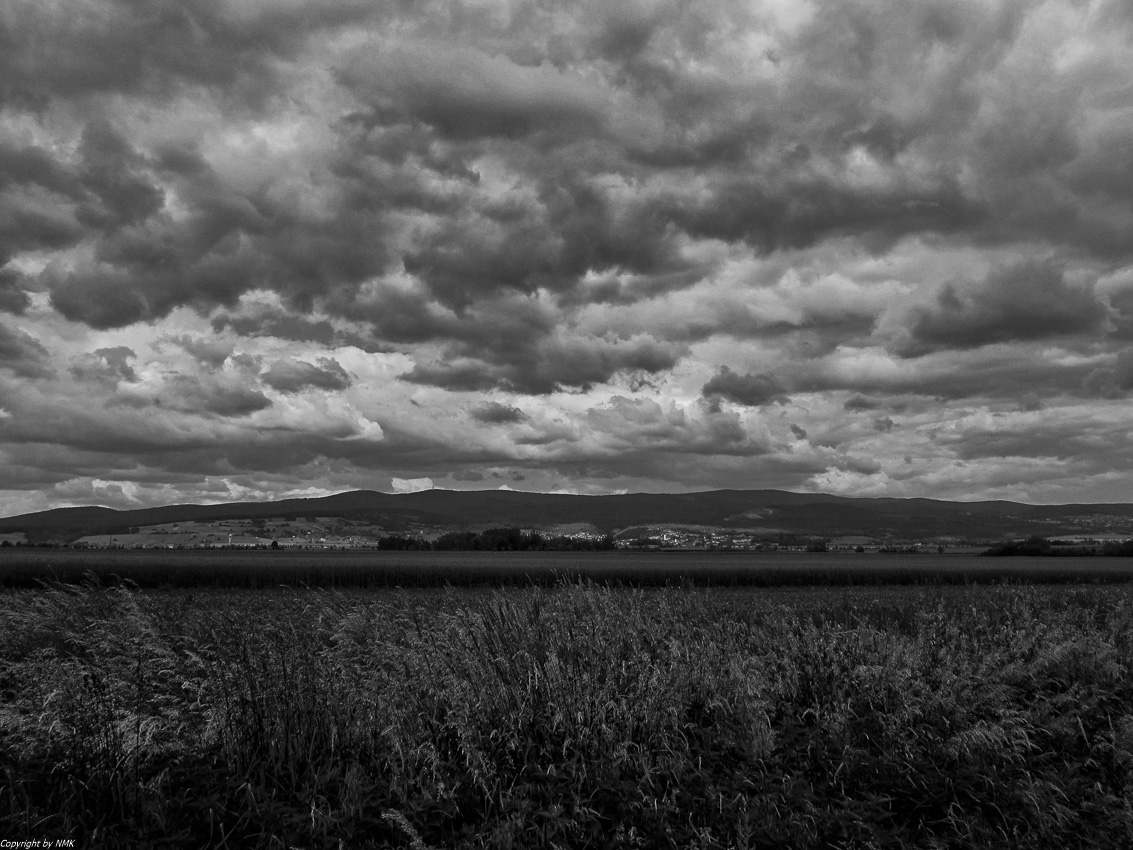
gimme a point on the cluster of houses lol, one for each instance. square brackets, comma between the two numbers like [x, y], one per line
[745, 541]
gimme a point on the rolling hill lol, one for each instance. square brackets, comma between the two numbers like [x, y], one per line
[767, 511]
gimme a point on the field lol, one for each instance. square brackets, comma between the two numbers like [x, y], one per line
[572, 715]
[29, 567]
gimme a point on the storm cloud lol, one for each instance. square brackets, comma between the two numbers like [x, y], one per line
[261, 249]
[292, 376]
[752, 390]
[22, 353]
[497, 413]
[1027, 301]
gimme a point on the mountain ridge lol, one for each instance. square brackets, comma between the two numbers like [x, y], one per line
[768, 510]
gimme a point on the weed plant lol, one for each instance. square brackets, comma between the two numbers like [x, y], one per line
[572, 716]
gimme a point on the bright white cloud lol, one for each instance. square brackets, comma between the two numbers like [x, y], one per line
[411, 485]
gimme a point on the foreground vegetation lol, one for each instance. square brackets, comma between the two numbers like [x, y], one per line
[575, 716]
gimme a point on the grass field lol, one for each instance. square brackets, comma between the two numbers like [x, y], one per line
[569, 716]
[29, 567]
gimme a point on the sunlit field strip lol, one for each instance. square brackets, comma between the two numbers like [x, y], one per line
[254, 569]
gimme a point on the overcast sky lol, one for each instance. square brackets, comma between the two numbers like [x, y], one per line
[266, 248]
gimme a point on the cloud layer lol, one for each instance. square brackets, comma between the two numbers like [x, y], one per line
[279, 248]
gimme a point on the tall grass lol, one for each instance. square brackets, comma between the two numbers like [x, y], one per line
[572, 716]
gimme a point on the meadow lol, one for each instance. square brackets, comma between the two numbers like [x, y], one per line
[244, 568]
[570, 715]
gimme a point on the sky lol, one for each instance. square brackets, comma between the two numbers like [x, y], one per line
[258, 249]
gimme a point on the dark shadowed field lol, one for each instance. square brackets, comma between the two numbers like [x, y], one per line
[572, 715]
[27, 567]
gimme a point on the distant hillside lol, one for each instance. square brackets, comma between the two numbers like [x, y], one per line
[764, 510]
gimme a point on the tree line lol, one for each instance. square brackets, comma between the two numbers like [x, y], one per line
[497, 540]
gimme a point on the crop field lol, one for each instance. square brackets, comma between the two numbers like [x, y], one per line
[30, 567]
[572, 715]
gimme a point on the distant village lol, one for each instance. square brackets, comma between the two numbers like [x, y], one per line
[329, 533]
[335, 533]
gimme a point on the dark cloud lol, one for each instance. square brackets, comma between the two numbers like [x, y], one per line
[105, 46]
[46, 203]
[800, 433]
[28, 222]
[22, 353]
[470, 260]
[860, 402]
[221, 395]
[465, 93]
[748, 389]
[37, 194]
[863, 465]
[235, 401]
[459, 376]
[1049, 440]
[223, 249]
[641, 431]
[493, 412]
[13, 297]
[277, 323]
[550, 239]
[111, 364]
[120, 194]
[258, 320]
[799, 214]
[1123, 369]
[1111, 381]
[32, 165]
[398, 315]
[292, 376]
[226, 238]
[526, 362]
[948, 375]
[209, 351]
[1121, 304]
[581, 362]
[1026, 301]
[884, 424]
[102, 297]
